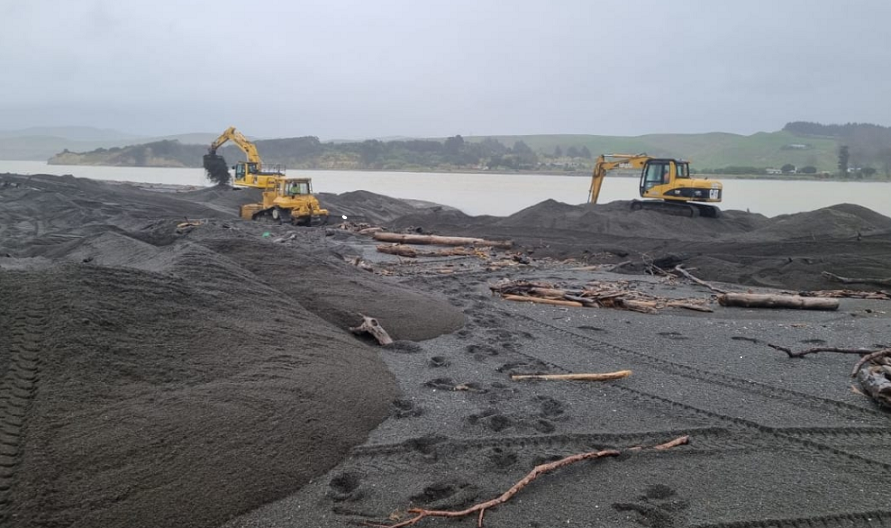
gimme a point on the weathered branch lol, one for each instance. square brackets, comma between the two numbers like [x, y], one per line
[874, 355]
[480, 509]
[605, 376]
[680, 269]
[689, 306]
[522, 298]
[802, 353]
[848, 280]
[410, 252]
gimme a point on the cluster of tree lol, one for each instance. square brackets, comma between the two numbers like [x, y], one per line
[737, 169]
[865, 145]
[572, 152]
[166, 153]
[310, 153]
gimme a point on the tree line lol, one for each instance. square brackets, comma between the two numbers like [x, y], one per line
[863, 147]
[310, 153]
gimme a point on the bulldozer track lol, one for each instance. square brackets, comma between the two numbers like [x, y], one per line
[21, 343]
[870, 518]
[703, 439]
[818, 440]
[716, 378]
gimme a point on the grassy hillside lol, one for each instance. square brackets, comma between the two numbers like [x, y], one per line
[705, 151]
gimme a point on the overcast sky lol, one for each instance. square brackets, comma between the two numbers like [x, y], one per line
[377, 68]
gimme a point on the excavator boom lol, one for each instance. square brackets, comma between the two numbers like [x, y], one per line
[249, 149]
[608, 162]
[247, 174]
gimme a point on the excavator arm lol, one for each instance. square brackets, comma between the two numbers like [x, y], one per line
[249, 149]
[608, 162]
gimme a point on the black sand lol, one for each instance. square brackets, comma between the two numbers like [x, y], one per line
[205, 377]
[150, 380]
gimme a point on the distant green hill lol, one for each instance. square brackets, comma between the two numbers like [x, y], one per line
[799, 144]
[705, 151]
[45, 142]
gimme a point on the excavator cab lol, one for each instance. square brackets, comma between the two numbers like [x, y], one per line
[662, 172]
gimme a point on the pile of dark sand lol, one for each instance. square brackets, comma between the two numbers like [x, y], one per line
[177, 377]
[788, 251]
[365, 206]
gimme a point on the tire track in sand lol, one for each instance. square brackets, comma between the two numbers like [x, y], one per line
[783, 436]
[23, 329]
[712, 377]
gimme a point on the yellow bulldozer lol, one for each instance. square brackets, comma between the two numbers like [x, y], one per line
[665, 181]
[285, 200]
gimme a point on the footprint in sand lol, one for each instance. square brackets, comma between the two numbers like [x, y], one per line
[658, 507]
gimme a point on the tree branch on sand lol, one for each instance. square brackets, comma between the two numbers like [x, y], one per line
[480, 509]
[873, 370]
[848, 280]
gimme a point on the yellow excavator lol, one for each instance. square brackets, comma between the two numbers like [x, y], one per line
[250, 173]
[285, 200]
[665, 181]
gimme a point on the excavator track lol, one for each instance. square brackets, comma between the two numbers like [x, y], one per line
[687, 209]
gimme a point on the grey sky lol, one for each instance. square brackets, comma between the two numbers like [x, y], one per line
[372, 68]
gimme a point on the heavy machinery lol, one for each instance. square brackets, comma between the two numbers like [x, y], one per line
[287, 200]
[250, 173]
[284, 199]
[665, 181]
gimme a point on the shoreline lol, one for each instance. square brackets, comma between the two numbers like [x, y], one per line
[580, 174]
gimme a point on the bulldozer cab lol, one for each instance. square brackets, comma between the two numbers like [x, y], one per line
[295, 187]
[662, 172]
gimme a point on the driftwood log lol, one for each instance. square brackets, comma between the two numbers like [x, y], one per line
[620, 295]
[410, 252]
[848, 280]
[845, 294]
[758, 300]
[605, 376]
[538, 300]
[479, 510]
[440, 240]
[372, 326]
[399, 250]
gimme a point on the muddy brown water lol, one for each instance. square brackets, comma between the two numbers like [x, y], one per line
[505, 194]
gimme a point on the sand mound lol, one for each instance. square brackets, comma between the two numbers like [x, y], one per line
[788, 251]
[157, 403]
[837, 221]
[365, 206]
[337, 293]
[162, 377]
